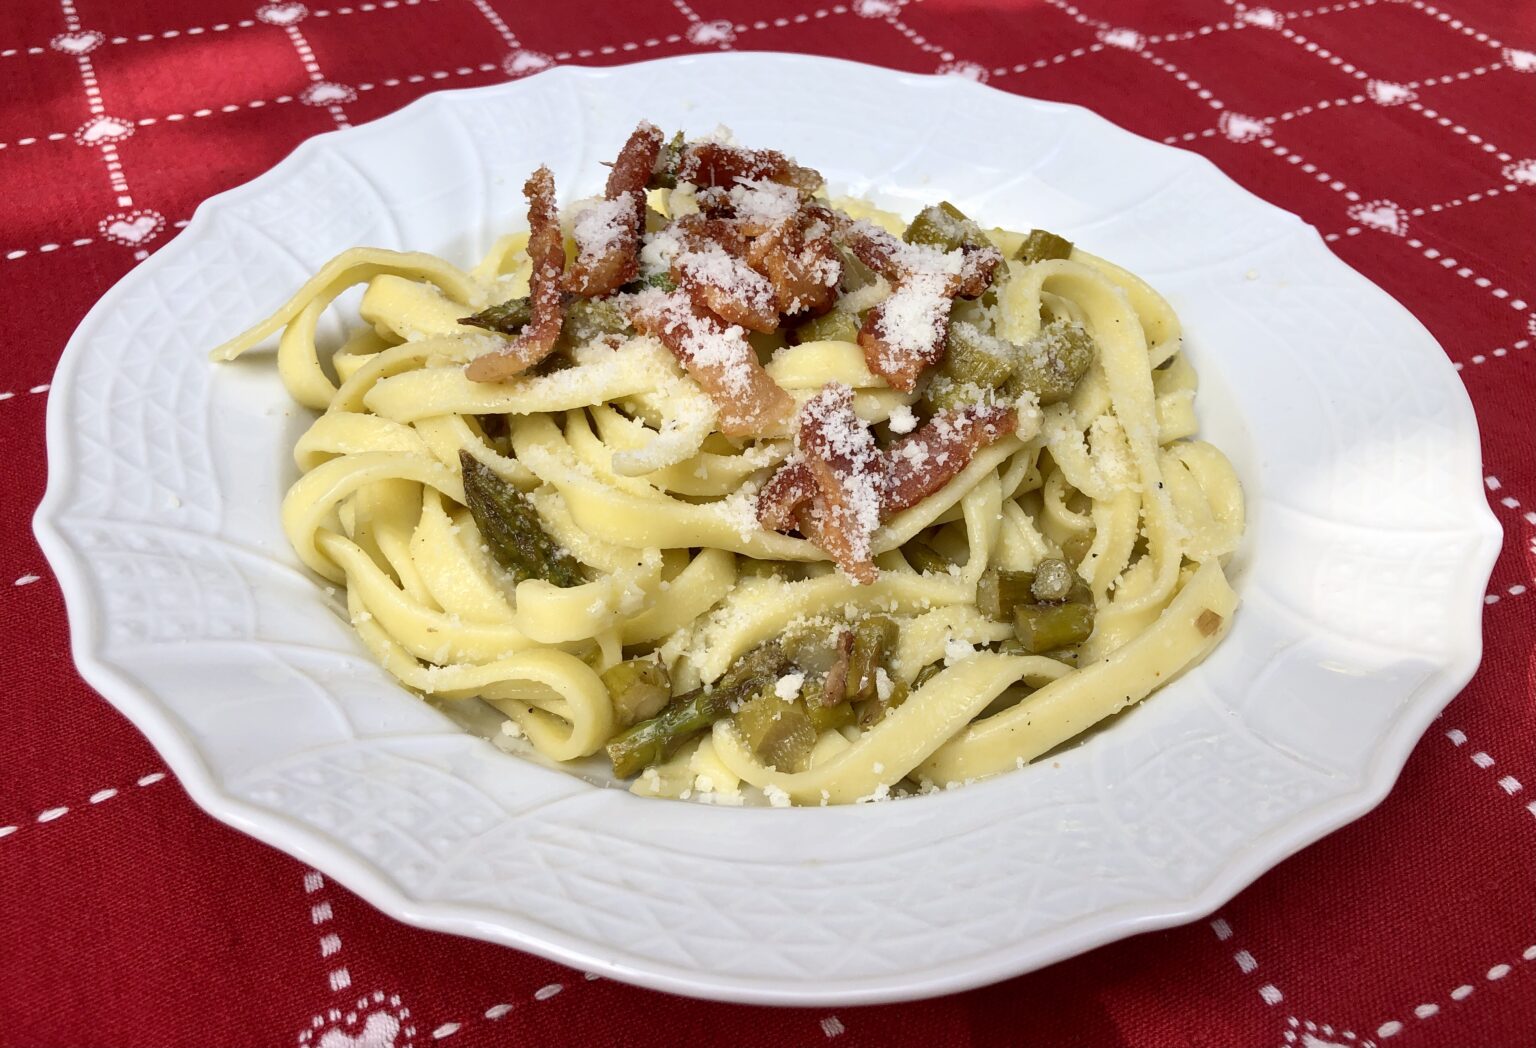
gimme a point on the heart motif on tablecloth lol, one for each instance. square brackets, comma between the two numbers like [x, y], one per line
[1520, 61]
[1263, 17]
[1240, 128]
[282, 14]
[326, 93]
[708, 33]
[1123, 38]
[77, 42]
[373, 1022]
[522, 63]
[379, 1031]
[875, 8]
[102, 129]
[1522, 171]
[1386, 93]
[964, 70]
[1384, 215]
[1307, 1034]
[132, 228]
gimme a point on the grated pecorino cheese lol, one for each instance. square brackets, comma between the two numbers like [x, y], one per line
[911, 322]
[704, 341]
[762, 203]
[851, 452]
[901, 419]
[600, 228]
[658, 250]
[712, 266]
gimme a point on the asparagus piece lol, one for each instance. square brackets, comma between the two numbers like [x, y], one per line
[1051, 363]
[836, 326]
[493, 427]
[925, 558]
[660, 281]
[1042, 245]
[507, 317]
[926, 674]
[1048, 365]
[1046, 627]
[825, 718]
[998, 592]
[665, 176]
[780, 733]
[1076, 547]
[638, 689]
[873, 711]
[809, 649]
[511, 528]
[587, 318]
[874, 640]
[973, 356]
[945, 393]
[653, 741]
[944, 226]
[1054, 580]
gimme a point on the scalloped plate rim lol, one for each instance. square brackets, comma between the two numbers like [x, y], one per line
[335, 859]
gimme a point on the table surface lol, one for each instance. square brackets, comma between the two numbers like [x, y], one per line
[1403, 130]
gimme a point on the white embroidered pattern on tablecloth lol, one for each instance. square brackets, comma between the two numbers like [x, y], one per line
[79, 42]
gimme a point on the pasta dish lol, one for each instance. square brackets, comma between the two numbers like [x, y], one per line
[760, 494]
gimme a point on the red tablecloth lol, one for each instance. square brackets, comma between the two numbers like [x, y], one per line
[1405, 131]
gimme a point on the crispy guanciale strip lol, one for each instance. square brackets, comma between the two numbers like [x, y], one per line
[849, 472]
[798, 257]
[826, 492]
[716, 164]
[905, 334]
[783, 496]
[780, 235]
[967, 270]
[754, 205]
[722, 283]
[977, 264]
[835, 688]
[923, 461]
[709, 266]
[636, 161]
[705, 227]
[546, 250]
[608, 234]
[888, 254]
[718, 357]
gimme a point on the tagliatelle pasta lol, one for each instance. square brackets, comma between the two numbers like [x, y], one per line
[768, 496]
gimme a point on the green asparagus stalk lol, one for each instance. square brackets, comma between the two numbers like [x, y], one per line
[511, 528]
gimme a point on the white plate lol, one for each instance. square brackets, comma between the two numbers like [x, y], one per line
[1361, 576]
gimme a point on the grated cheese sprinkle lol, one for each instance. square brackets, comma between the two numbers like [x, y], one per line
[707, 343]
[713, 266]
[764, 203]
[788, 687]
[599, 228]
[912, 320]
[657, 250]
